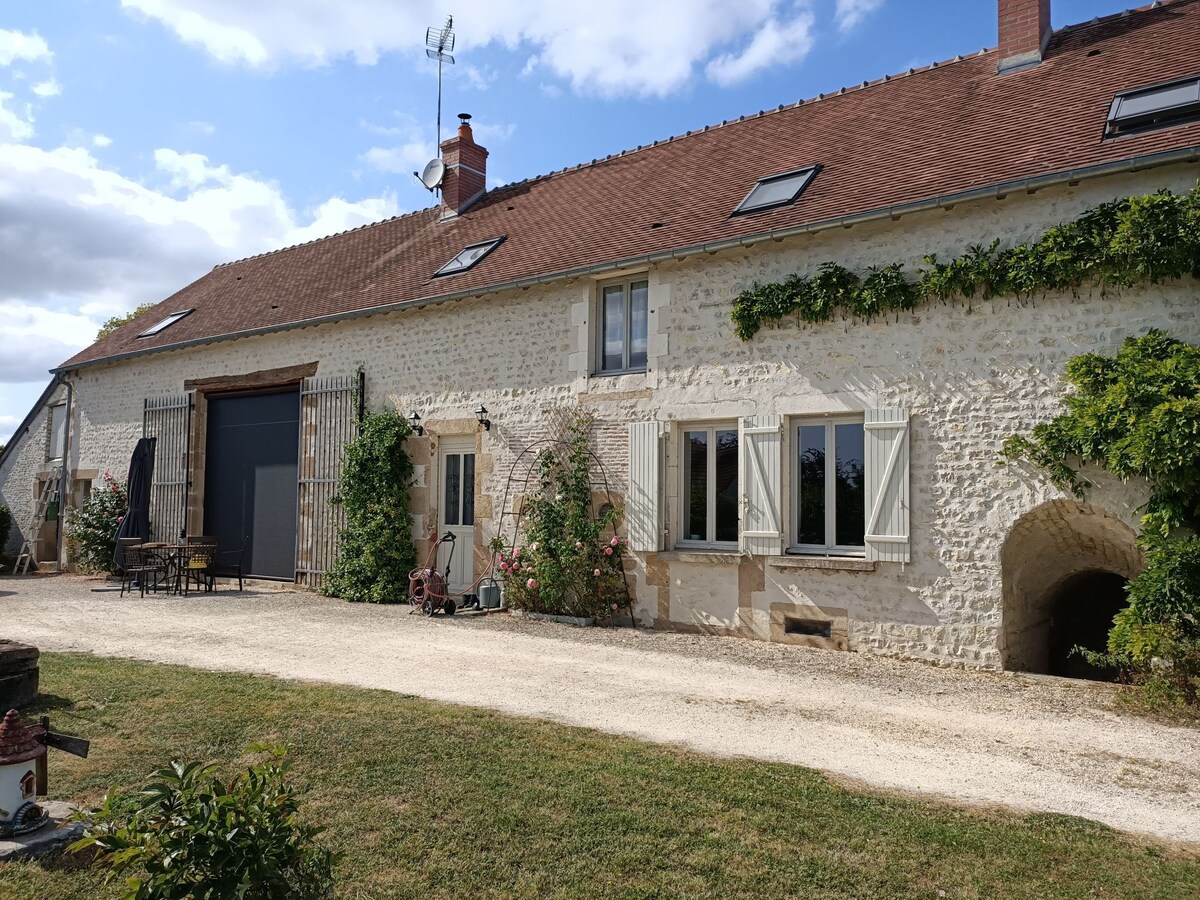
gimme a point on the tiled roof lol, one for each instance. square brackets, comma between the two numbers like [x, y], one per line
[939, 130]
[18, 741]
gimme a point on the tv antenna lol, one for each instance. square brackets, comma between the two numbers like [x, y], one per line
[439, 42]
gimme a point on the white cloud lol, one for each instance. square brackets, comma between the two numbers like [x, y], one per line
[80, 242]
[13, 125]
[16, 45]
[775, 43]
[101, 140]
[50, 88]
[612, 48]
[487, 133]
[850, 13]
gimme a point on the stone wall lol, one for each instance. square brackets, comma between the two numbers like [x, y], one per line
[971, 374]
[23, 471]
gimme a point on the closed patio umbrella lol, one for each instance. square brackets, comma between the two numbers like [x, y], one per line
[137, 517]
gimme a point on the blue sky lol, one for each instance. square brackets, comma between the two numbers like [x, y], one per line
[143, 141]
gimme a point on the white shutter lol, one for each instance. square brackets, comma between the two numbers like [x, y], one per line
[887, 485]
[643, 506]
[761, 441]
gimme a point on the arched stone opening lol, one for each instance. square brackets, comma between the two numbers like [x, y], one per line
[1064, 566]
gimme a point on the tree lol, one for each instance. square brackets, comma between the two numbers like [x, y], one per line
[117, 321]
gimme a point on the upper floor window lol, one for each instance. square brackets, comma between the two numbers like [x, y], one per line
[621, 337]
[710, 486]
[829, 486]
[776, 190]
[1154, 107]
[165, 323]
[57, 418]
[468, 257]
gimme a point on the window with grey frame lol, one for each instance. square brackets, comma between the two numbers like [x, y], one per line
[57, 418]
[709, 496]
[621, 337]
[829, 486]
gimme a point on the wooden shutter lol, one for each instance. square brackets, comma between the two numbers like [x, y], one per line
[643, 505]
[886, 462]
[761, 440]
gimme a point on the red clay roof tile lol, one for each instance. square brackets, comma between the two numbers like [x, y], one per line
[946, 128]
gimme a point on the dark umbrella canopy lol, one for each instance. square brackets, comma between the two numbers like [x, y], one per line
[137, 517]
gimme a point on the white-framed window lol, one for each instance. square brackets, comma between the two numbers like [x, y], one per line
[709, 491]
[621, 314]
[829, 499]
[57, 418]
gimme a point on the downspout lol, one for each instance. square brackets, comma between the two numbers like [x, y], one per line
[62, 475]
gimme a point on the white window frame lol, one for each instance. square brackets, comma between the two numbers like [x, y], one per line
[51, 455]
[711, 525]
[830, 422]
[598, 343]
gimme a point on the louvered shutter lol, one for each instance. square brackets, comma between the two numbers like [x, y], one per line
[761, 441]
[643, 506]
[886, 474]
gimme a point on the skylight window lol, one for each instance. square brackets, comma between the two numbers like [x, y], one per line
[469, 257]
[164, 324]
[776, 190]
[1154, 107]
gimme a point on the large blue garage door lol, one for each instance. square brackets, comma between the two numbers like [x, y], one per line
[250, 478]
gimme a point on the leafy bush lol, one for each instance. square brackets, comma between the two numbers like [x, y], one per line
[1134, 240]
[571, 561]
[6, 524]
[1137, 415]
[91, 530]
[376, 551]
[189, 834]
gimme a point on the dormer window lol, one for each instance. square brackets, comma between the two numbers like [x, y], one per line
[469, 257]
[1160, 106]
[776, 190]
[165, 323]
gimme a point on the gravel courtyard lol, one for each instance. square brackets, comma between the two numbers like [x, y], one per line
[980, 738]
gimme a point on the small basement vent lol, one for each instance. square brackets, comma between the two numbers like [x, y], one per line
[821, 628]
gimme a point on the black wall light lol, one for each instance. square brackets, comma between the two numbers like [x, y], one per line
[481, 415]
[414, 419]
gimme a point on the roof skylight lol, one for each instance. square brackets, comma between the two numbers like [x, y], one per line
[469, 257]
[776, 190]
[1172, 103]
[164, 324]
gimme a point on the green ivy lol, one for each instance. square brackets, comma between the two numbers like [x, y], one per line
[1137, 415]
[376, 552]
[1134, 240]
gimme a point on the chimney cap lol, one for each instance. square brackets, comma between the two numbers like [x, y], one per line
[465, 118]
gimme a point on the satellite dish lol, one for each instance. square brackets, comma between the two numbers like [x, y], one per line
[434, 172]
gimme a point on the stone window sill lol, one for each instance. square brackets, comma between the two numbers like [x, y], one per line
[709, 557]
[825, 563]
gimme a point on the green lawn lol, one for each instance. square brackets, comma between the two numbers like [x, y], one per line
[428, 800]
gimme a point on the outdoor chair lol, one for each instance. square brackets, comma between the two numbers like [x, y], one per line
[228, 563]
[146, 566]
[127, 578]
[195, 565]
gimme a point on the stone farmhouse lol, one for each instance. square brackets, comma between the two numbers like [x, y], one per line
[830, 484]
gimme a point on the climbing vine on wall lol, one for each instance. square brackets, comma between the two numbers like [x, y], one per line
[1137, 415]
[1134, 240]
[376, 552]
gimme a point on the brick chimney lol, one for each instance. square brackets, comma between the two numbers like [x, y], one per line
[1024, 31]
[466, 170]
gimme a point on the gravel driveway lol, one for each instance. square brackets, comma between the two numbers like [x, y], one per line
[980, 738]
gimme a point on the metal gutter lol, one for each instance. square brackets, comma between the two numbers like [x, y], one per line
[997, 190]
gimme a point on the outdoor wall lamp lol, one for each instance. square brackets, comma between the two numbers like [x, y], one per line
[481, 415]
[414, 419]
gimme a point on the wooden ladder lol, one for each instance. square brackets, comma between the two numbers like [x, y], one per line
[50, 494]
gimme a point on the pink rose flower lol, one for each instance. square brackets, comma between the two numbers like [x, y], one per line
[616, 541]
[517, 553]
[597, 573]
[608, 551]
[531, 583]
[579, 545]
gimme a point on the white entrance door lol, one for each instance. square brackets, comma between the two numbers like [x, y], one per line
[457, 467]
